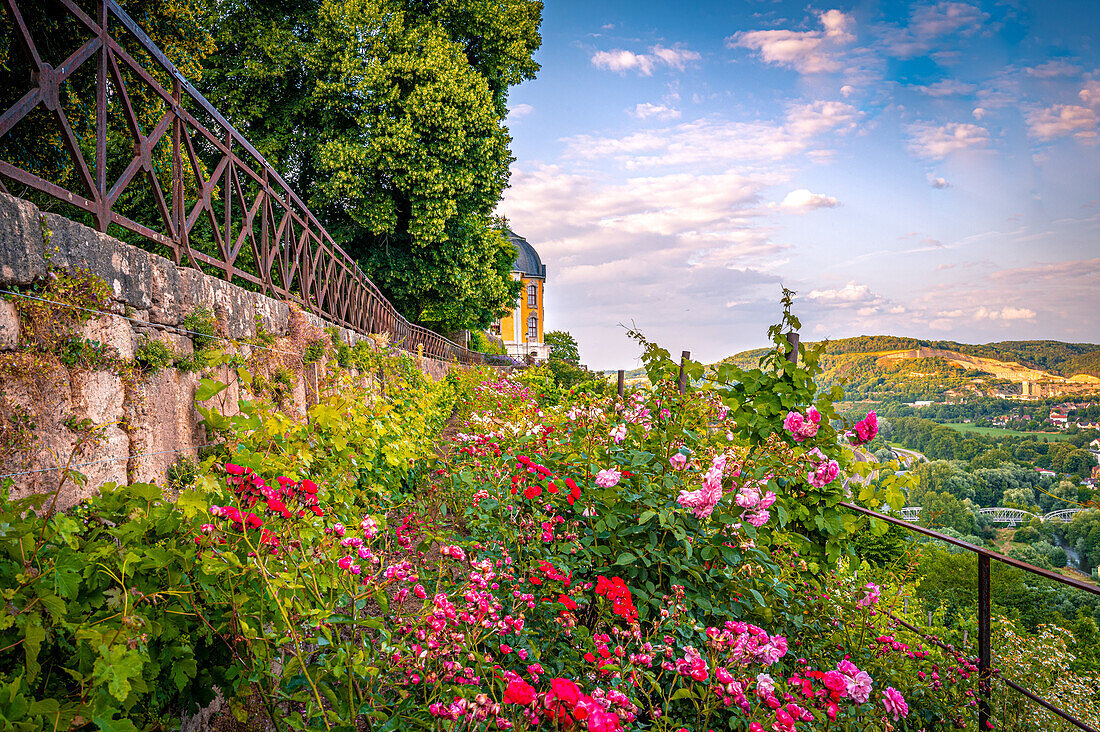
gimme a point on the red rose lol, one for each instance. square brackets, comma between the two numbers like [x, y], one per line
[566, 690]
[532, 491]
[519, 692]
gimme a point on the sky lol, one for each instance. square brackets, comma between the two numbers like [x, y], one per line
[927, 169]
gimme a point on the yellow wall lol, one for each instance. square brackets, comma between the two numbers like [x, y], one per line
[507, 332]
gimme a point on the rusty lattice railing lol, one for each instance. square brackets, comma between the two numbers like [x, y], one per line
[200, 189]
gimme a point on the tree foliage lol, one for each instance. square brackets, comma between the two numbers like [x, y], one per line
[563, 346]
[387, 116]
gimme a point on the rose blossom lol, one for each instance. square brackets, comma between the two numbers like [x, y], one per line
[608, 478]
[895, 703]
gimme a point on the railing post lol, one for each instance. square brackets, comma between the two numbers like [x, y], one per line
[103, 217]
[984, 656]
[792, 350]
[178, 215]
[621, 382]
[684, 358]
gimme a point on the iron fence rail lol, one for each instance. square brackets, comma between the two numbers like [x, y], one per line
[986, 672]
[295, 258]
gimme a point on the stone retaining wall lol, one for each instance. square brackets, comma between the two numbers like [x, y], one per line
[148, 422]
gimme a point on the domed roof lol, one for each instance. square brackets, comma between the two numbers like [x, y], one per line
[527, 261]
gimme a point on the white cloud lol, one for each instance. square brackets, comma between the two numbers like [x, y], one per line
[676, 57]
[1005, 313]
[621, 60]
[646, 110]
[1090, 95]
[853, 297]
[519, 111]
[938, 141]
[809, 52]
[1062, 120]
[802, 200]
[716, 142]
[938, 183]
[928, 24]
[1053, 69]
[946, 88]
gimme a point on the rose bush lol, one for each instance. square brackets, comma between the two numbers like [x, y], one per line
[670, 560]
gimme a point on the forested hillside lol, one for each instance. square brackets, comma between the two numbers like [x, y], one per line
[911, 369]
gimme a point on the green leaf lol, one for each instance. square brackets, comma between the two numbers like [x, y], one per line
[110, 724]
[117, 666]
[625, 558]
[684, 693]
[209, 388]
[33, 636]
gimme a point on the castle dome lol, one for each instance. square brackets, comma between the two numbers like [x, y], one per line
[528, 262]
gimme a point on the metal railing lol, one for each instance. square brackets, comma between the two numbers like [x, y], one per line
[290, 254]
[986, 672]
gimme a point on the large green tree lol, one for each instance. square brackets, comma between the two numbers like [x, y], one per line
[563, 346]
[387, 117]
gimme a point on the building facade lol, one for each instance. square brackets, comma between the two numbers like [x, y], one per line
[522, 328]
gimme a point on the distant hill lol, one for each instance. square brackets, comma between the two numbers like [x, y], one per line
[910, 369]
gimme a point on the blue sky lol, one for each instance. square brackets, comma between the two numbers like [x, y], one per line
[923, 169]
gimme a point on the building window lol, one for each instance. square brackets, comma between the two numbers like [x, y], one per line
[533, 328]
[532, 295]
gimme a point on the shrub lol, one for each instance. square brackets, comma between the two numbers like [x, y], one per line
[1026, 535]
[182, 473]
[153, 355]
[313, 352]
[202, 326]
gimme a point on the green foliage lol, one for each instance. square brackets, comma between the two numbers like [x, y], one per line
[154, 355]
[389, 116]
[1026, 535]
[313, 352]
[80, 352]
[62, 304]
[943, 510]
[563, 346]
[100, 598]
[202, 326]
[182, 473]
[483, 344]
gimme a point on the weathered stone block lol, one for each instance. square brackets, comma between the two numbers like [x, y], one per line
[165, 296]
[97, 395]
[22, 257]
[163, 422]
[9, 326]
[126, 269]
[111, 331]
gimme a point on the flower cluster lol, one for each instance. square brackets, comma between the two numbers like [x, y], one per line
[865, 430]
[702, 501]
[616, 591]
[802, 427]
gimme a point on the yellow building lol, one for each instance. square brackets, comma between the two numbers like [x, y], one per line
[522, 328]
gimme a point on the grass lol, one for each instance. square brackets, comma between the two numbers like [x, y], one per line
[998, 432]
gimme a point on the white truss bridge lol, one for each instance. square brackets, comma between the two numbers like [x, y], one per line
[1003, 515]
